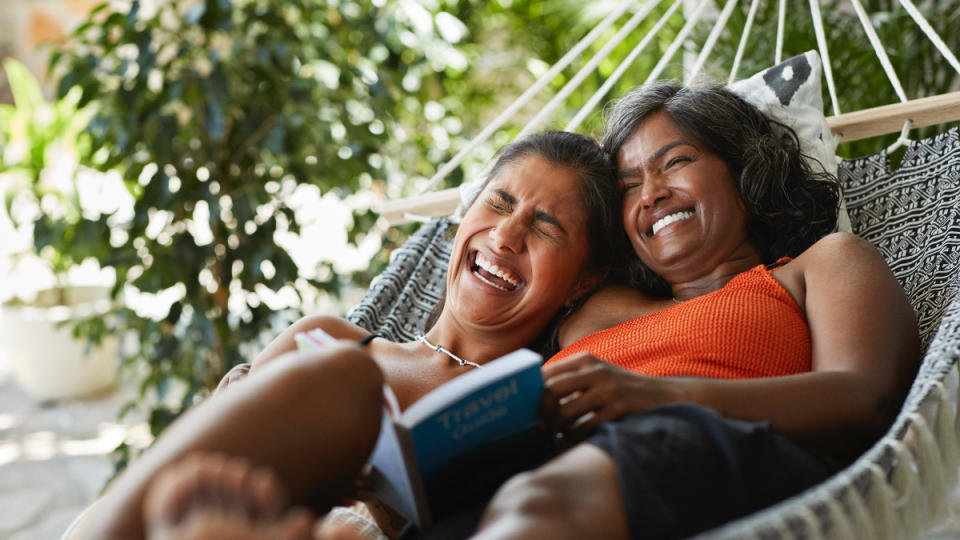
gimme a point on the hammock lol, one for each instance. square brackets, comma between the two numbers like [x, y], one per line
[898, 487]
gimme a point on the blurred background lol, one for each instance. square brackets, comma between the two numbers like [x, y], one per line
[183, 178]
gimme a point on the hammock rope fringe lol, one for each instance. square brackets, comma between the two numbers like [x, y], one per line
[712, 39]
[824, 53]
[528, 95]
[588, 68]
[741, 47]
[878, 50]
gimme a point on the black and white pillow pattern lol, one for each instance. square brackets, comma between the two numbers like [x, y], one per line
[789, 93]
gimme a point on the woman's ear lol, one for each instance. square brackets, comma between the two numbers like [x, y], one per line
[581, 288]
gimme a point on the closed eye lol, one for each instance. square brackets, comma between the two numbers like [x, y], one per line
[547, 230]
[497, 206]
[547, 225]
[677, 160]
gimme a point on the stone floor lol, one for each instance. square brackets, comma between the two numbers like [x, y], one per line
[54, 459]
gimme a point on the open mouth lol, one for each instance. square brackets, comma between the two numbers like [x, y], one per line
[490, 273]
[667, 220]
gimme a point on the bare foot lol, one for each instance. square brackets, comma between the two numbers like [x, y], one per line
[212, 497]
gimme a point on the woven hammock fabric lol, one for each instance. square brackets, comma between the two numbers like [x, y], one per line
[402, 297]
[912, 216]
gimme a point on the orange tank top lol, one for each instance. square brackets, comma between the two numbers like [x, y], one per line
[751, 327]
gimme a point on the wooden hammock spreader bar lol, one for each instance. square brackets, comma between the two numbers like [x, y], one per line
[890, 118]
[429, 205]
[847, 127]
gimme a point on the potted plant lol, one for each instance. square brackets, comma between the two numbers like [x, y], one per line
[42, 144]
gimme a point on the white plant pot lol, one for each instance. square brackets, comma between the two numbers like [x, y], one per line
[47, 361]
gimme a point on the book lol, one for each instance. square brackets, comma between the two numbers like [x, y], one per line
[458, 435]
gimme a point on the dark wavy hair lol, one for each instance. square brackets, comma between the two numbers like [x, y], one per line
[599, 194]
[789, 204]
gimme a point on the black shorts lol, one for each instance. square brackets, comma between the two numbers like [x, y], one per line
[684, 469]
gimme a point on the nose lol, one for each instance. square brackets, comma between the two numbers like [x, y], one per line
[508, 234]
[652, 191]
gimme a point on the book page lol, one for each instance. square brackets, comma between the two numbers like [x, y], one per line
[390, 478]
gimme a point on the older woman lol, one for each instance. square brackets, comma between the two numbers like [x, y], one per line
[767, 357]
[303, 424]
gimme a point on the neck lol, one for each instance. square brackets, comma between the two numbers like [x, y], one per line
[739, 262]
[471, 345]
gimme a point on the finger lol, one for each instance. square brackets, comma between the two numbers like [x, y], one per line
[591, 420]
[580, 404]
[553, 417]
[565, 384]
[572, 363]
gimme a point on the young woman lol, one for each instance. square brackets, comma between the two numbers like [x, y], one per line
[303, 424]
[751, 376]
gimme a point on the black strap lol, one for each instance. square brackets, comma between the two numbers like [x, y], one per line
[368, 338]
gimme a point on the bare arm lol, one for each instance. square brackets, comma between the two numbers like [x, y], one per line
[864, 346]
[285, 343]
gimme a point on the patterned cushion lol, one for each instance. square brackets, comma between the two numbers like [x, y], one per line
[402, 297]
[789, 93]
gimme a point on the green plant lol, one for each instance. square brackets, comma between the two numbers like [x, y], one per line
[42, 144]
[217, 113]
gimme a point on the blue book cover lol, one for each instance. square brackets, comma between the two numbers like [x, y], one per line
[449, 429]
[475, 409]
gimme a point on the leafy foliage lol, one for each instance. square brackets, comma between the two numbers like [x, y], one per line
[215, 112]
[41, 144]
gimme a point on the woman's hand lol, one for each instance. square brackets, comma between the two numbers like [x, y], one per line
[583, 391]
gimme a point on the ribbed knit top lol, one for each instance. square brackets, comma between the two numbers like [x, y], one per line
[751, 327]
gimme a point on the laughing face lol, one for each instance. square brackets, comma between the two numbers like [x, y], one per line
[681, 210]
[520, 250]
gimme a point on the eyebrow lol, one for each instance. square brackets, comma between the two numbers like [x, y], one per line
[632, 171]
[539, 215]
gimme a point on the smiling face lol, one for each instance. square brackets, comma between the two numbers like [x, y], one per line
[520, 250]
[681, 210]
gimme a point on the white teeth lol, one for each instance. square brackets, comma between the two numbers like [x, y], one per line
[666, 220]
[491, 267]
[490, 283]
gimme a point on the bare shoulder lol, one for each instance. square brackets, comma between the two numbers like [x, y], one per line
[836, 254]
[841, 249]
[605, 308]
[837, 261]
